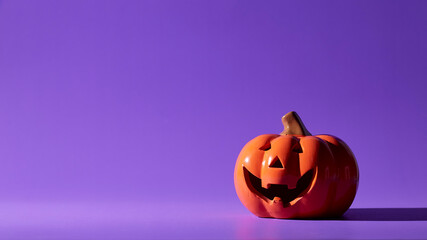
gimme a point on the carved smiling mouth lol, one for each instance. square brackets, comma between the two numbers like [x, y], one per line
[279, 190]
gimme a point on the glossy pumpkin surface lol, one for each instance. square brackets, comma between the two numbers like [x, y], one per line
[296, 175]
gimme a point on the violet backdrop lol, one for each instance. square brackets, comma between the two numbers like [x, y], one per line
[151, 101]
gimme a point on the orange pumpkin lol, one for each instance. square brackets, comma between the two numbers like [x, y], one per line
[295, 174]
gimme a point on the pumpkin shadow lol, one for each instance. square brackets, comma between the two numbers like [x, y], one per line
[385, 214]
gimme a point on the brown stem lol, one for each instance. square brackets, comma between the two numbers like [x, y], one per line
[293, 125]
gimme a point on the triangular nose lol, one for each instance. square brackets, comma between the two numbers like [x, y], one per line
[276, 163]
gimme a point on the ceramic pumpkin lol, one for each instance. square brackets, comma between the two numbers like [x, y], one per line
[295, 174]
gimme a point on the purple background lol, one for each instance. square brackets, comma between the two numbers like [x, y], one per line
[132, 113]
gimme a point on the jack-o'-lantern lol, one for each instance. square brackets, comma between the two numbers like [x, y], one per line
[295, 174]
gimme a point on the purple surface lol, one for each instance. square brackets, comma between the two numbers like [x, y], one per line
[130, 220]
[123, 119]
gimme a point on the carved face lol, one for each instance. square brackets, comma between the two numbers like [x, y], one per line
[296, 176]
[277, 170]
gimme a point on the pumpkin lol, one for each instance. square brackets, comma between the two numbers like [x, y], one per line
[296, 175]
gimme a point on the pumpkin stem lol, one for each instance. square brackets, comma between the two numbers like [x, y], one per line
[293, 125]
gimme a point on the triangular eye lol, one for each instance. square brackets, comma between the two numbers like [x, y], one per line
[276, 163]
[297, 149]
[266, 147]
